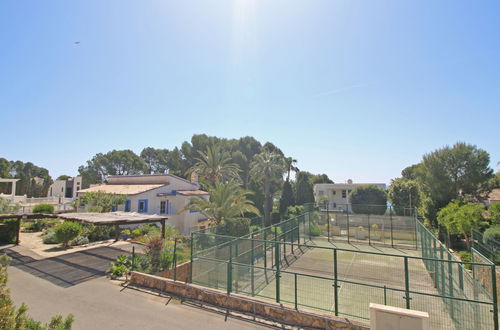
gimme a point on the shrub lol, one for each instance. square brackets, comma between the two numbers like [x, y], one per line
[49, 236]
[368, 199]
[98, 233]
[315, 230]
[43, 208]
[67, 231]
[117, 270]
[465, 257]
[8, 231]
[491, 233]
[79, 240]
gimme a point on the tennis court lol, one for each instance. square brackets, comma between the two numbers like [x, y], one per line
[329, 274]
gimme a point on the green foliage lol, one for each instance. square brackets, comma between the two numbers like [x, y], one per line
[287, 198]
[294, 211]
[267, 168]
[101, 201]
[43, 208]
[49, 236]
[18, 318]
[117, 270]
[214, 165]
[460, 218]
[304, 189]
[98, 233]
[63, 177]
[452, 172]
[315, 230]
[368, 199]
[7, 207]
[8, 230]
[494, 214]
[403, 194]
[227, 202]
[115, 162]
[79, 240]
[491, 233]
[67, 231]
[235, 227]
[26, 172]
[465, 256]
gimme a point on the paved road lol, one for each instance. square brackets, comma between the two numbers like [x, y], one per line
[99, 303]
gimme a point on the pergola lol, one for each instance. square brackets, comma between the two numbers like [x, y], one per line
[98, 219]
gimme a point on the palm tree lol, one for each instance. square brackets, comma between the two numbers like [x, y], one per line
[267, 167]
[227, 202]
[215, 165]
[290, 166]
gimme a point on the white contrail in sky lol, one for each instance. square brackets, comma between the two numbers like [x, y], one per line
[340, 90]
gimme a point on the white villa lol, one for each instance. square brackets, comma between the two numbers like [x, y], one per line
[164, 194]
[65, 188]
[338, 193]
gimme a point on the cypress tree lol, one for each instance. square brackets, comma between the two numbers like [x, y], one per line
[304, 190]
[287, 199]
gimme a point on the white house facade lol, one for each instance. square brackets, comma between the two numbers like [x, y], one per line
[337, 194]
[162, 194]
[65, 188]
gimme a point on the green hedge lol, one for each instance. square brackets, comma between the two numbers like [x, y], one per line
[8, 231]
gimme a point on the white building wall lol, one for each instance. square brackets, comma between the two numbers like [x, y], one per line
[338, 193]
[183, 221]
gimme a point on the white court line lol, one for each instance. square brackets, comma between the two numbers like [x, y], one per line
[345, 277]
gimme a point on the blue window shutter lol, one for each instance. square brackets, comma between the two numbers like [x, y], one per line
[145, 205]
[127, 205]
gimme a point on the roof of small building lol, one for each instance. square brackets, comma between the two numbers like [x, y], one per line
[494, 195]
[191, 192]
[123, 189]
[111, 218]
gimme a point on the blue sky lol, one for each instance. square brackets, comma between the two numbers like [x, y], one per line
[354, 89]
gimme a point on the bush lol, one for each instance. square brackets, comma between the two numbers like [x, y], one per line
[491, 233]
[43, 208]
[8, 231]
[67, 231]
[368, 199]
[465, 257]
[315, 230]
[117, 269]
[49, 237]
[80, 240]
[98, 233]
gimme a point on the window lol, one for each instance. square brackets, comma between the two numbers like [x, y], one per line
[344, 193]
[127, 205]
[321, 192]
[334, 205]
[334, 192]
[62, 189]
[114, 208]
[142, 206]
[164, 207]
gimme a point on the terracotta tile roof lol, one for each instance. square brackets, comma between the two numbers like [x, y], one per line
[494, 195]
[123, 189]
[191, 192]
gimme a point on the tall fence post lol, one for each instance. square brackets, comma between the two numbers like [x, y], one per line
[252, 269]
[133, 258]
[348, 231]
[295, 286]
[277, 250]
[450, 284]
[369, 231]
[309, 220]
[494, 295]
[265, 249]
[392, 233]
[191, 263]
[407, 284]
[335, 283]
[230, 270]
[328, 220]
[175, 259]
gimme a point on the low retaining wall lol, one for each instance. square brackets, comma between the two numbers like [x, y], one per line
[234, 302]
[182, 272]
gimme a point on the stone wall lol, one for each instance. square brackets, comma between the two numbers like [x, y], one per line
[182, 273]
[251, 306]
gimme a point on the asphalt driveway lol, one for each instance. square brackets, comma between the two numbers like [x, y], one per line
[75, 284]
